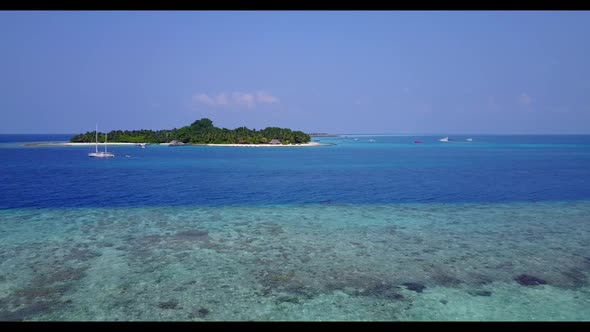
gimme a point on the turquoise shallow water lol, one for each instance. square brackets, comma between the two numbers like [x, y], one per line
[298, 262]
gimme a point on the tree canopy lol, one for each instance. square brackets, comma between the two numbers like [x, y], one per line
[200, 132]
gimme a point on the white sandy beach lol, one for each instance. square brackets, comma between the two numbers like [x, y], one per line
[115, 143]
[264, 145]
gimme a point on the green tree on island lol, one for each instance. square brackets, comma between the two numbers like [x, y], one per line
[200, 132]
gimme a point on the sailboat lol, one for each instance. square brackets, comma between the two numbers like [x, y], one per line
[101, 154]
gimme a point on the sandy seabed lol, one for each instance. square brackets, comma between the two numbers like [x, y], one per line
[317, 262]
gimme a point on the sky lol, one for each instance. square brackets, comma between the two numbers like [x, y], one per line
[487, 72]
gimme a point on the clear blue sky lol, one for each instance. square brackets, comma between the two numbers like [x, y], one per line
[339, 72]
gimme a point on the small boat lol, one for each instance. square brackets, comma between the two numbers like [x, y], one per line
[469, 140]
[444, 139]
[101, 154]
[371, 140]
[127, 156]
[142, 145]
[356, 139]
[417, 142]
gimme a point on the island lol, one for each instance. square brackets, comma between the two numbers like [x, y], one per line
[202, 132]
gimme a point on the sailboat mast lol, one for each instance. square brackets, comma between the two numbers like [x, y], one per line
[96, 132]
[105, 142]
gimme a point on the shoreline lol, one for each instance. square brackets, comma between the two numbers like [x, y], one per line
[263, 145]
[39, 144]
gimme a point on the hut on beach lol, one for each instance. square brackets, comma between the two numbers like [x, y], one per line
[274, 141]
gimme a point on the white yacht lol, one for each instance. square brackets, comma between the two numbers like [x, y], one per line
[444, 139]
[101, 154]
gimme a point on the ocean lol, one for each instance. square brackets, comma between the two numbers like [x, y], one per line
[367, 228]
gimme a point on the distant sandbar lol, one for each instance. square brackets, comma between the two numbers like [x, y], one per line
[73, 144]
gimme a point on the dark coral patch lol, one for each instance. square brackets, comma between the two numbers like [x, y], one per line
[528, 280]
[382, 291]
[288, 299]
[35, 293]
[203, 312]
[81, 254]
[480, 279]
[414, 286]
[576, 277]
[446, 279]
[28, 311]
[60, 275]
[480, 293]
[172, 304]
[277, 279]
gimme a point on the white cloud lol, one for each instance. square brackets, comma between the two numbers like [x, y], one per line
[244, 99]
[222, 99]
[266, 98]
[239, 99]
[204, 99]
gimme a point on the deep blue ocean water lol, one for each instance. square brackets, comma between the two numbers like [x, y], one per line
[365, 228]
[389, 170]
